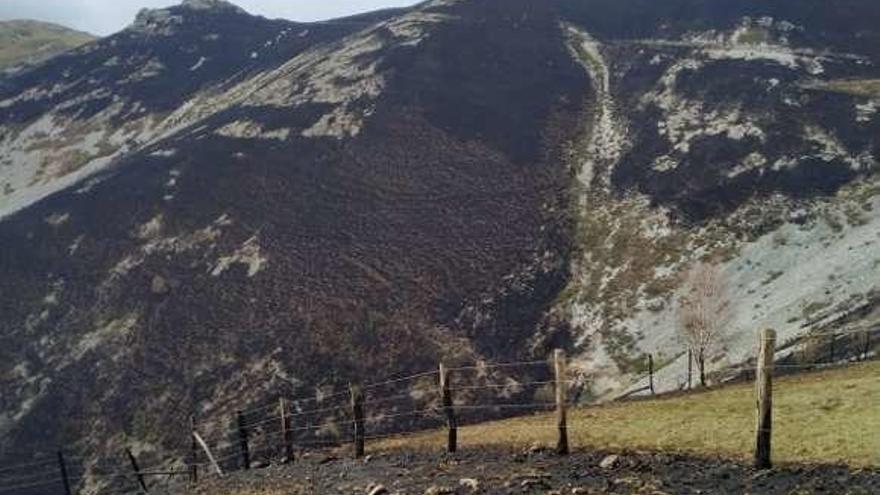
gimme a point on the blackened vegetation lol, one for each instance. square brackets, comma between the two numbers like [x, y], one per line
[233, 46]
[844, 26]
[439, 230]
[442, 230]
[705, 183]
[471, 69]
[699, 188]
[463, 80]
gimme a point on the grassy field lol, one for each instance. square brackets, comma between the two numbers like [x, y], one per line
[22, 41]
[820, 417]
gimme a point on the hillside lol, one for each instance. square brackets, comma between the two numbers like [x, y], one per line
[210, 209]
[30, 42]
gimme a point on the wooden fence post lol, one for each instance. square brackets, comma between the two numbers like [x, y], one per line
[193, 452]
[286, 432]
[243, 441]
[651, 372]
[690, 368]
[208, 453]
[357, 410]
[446, 398]
[137, 470]
[764, 390]
[831, 348]
[64, 478]
[559, 373]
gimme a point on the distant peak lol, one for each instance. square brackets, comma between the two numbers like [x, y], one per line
[163, 21]
[212, 5]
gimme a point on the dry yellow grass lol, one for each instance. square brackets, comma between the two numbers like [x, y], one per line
[858, 87]
[22, 41]
[822, 417]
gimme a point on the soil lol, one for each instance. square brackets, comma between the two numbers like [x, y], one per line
[535, 471]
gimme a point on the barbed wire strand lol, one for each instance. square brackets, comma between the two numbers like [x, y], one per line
[372, 401]
[27, 464]
[28, 477]
[7, 489]
[274, 418]
[372, 386]
[499, 365]
[385, 417]
[509, 385]
[231, 416]
[323, 398]
[504, 406]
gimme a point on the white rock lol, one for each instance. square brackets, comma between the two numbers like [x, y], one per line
[377, 489]
[470, 483]
[609, 462]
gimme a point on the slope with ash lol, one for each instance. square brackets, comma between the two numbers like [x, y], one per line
[209, 209]
[62, 121]
[744, 134]
[363, 207]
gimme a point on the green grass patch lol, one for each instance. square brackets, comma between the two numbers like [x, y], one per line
[820, 417]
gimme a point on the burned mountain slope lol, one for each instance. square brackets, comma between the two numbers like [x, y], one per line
[725, 102]
[74, 115]
[459, 180]
[742, 134]
[324, 220]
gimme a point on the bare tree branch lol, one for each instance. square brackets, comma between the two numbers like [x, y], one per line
[704, 312]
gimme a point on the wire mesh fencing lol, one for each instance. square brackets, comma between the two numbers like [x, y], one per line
[426, 408]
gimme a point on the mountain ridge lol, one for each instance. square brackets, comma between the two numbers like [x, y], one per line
[363, 197]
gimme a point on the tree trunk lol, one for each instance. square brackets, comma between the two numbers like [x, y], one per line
[701, 363]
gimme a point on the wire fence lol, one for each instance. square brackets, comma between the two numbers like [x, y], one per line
[812, 351]
[257, 435]
[396, 408]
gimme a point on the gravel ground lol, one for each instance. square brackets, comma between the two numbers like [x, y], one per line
[533, 472]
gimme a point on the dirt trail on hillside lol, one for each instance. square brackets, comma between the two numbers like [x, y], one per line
[536, 472]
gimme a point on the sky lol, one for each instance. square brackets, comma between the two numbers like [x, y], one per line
[104, 17]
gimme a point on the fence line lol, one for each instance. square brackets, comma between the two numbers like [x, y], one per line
[269, 433]
[295, 401]
[276, 419]
[227, 451]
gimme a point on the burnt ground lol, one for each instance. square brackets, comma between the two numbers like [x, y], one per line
[536, 471]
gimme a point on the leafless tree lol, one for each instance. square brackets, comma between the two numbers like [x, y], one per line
[704, 312]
